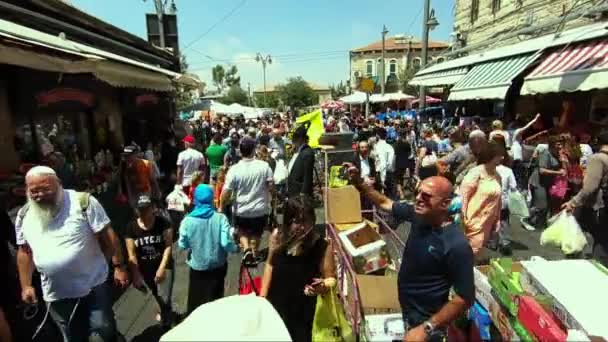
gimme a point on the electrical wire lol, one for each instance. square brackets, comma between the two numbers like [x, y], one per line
[224, 18]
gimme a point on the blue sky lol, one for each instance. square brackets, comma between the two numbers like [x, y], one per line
[309, 38]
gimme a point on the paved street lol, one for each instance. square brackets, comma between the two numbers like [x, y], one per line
[135, 311]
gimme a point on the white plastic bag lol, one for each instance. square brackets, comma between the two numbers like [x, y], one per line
[564, 232]
[280, 172]
[517, 204]
[177, 200]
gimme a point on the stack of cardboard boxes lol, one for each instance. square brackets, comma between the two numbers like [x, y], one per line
[365, 247]
[540, 300]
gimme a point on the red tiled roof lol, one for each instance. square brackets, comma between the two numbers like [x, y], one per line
[391, 44]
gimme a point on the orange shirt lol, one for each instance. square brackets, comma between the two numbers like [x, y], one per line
[138, 174]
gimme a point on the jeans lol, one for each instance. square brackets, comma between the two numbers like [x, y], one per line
[540, 205]
[91, 316]
[161, 292]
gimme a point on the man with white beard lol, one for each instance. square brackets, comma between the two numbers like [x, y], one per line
[65, 234]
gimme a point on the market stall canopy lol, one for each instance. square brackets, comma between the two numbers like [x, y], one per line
[450, 72]
[68, 56]
[578, 67]
[445, 77]
[491, 80]
[356, 97]
[335, 105]
[399, 96]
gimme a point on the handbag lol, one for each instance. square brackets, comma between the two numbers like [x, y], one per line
[559, 188]
[330, 323]
[249, 284]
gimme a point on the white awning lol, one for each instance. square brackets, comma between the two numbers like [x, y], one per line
[444, 77]
[105, 65]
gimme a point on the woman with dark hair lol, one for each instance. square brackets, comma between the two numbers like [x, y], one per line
[481, 196]
[300, 266]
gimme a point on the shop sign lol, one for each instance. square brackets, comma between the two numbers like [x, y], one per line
[146, 99]
[367, 85]
[59, 95]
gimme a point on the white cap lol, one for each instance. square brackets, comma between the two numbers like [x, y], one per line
[40, 171]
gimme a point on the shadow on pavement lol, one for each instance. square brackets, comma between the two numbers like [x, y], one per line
[150, 334]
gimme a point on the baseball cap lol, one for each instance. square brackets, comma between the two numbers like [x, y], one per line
[188, 139]
[144, 201]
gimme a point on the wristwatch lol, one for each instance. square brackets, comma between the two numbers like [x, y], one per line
[429, 328]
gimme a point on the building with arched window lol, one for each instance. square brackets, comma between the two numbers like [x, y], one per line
[401, 53]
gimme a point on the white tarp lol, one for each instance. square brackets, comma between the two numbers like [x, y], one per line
[235, 318]
[356, 97]
[379, 98]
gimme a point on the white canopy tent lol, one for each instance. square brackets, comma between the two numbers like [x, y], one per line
[356, 97]
[398, 96]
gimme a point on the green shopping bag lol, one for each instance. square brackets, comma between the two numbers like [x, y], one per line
[330, 324]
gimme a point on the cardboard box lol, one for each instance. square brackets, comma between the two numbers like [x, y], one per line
[577, 292]
[343, 205]
[484, 295]
[379, 294]
[382, 328]
[366, 248]
[504, 278]
[538, 323]
[342, 227]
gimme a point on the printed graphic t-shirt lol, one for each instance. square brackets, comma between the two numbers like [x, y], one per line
[149, 244]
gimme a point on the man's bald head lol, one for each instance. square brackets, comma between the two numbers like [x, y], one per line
[43, 185]
[441, 186]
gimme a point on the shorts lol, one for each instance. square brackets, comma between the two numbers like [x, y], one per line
[251, 225]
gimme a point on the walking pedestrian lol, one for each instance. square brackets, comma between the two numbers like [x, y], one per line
[300, 266]
[139, 177]
[206, 235]
[65, 234]
[301, 166]
[215, 153]
[481, 197]
[189, 161]
[590, 204]
[249, 188]
[149, 239]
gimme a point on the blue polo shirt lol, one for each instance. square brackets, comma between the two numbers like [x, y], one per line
[434, 260]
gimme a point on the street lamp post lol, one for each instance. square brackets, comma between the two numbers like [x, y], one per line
[264, 60]
[429, 22]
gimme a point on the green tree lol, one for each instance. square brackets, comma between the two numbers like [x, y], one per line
[270, 101]
[339, 90]
[231, 77]
[296, 93]
[218, 75]
[235, 95]
[405, 76]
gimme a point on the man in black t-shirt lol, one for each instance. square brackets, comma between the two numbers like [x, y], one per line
[437, 257]
[149, 239]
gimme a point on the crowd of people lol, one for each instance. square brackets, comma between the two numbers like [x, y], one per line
[237, 173]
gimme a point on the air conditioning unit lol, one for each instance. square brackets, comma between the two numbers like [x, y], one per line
[357, 74]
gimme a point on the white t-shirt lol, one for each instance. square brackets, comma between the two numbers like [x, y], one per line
[516, 148]
[248, 180]
[191, 161]
[586, 152]
[67, 255]
[508, 183]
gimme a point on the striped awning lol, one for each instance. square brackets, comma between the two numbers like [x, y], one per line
[491, 80]
[444, 77]
[578, 67]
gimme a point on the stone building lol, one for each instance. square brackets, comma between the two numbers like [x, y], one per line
[483, 24]
[401, 53]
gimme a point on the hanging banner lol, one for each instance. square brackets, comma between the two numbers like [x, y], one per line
[316, 129]
[57, 95]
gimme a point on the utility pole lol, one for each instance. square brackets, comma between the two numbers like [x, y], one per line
[383, 73]
[249, 93]
[429, 22]
[264, 60]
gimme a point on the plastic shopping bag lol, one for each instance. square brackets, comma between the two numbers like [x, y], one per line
[177, 200]
[337, 177]
[330, 322]
[564, 232]
[517, 204]
[280, 172]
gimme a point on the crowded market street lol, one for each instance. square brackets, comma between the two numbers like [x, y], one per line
[245, 170]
